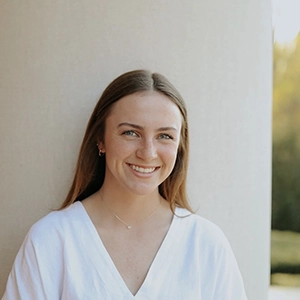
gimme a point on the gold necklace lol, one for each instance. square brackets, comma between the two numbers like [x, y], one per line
[127, 225]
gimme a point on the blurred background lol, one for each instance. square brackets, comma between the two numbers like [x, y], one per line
[285, 237]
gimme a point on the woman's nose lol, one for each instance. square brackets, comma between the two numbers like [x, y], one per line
[147, 150]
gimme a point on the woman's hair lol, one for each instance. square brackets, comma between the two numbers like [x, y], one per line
[90, 168]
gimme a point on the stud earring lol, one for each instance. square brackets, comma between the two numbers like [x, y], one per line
[101, 153]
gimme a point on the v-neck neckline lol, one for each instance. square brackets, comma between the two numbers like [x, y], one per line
[100, 256]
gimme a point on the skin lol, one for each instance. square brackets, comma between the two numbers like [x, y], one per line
[142, 134]
[140, 143]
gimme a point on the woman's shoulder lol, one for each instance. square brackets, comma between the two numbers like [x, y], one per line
[201, 229]
[209, 251]
[196, 221]
[54, 223]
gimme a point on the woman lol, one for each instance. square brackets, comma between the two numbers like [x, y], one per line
[126, 230]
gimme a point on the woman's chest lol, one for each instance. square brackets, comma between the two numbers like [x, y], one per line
[132, 255]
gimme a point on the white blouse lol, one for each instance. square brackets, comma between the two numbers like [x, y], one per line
[63, 257]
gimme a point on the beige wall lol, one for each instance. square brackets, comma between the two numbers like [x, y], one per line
[56, 58]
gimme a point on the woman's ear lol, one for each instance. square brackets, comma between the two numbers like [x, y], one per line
[101, 148]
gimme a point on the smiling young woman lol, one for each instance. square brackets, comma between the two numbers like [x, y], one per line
[90, 171]
[126, 230]
[142, 134]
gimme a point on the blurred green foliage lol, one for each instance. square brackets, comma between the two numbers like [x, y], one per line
[285, 258]
[285, 252]
[288, 280]
[286, 137]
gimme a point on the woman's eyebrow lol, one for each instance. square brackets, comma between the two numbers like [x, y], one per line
[130, 124]
[167, 128]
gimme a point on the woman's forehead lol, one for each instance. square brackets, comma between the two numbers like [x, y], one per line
[146, 108]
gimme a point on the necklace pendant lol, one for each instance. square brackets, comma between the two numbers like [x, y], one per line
[128, 226]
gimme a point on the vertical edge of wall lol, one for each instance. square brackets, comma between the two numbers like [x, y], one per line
[231, 139]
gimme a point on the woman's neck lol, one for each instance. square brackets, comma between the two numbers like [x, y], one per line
[127, 206]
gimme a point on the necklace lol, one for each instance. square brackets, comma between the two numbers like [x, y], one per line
[128, 226]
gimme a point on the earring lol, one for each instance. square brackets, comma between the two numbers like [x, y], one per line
[101, 153]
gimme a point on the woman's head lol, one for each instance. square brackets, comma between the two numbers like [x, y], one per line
[90, 170]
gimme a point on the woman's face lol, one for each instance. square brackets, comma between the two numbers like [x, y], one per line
[140, 142]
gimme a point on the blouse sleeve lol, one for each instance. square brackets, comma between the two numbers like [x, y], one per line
[229, 282]
[220, 275]
[32, 274]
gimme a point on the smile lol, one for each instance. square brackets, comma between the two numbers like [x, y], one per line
[142, 170]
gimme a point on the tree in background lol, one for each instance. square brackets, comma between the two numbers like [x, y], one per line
[286, 137]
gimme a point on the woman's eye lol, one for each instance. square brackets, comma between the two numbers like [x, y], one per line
[129, 133]
[165, 136]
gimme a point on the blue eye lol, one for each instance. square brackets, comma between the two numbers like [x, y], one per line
[166, 136]
[129, 133]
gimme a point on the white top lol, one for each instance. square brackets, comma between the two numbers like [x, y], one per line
[63, 257]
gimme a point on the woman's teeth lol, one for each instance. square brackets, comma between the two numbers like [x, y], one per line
[142, 170]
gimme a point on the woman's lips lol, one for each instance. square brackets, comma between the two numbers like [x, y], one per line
[143, 170]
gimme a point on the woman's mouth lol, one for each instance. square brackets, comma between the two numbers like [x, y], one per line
[142, 169]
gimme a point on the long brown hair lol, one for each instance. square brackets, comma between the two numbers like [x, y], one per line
[90, 168]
